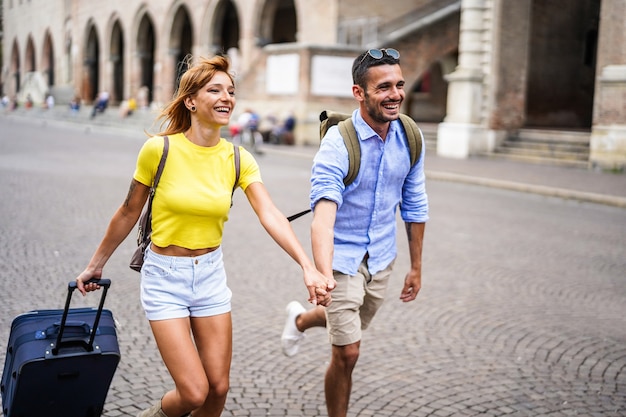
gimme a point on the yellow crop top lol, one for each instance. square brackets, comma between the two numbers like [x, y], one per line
[192, 200]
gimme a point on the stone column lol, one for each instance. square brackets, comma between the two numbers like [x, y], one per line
[608, 133]
[461, 133]
[510, 50]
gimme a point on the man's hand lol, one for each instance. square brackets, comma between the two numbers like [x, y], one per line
[412, 286]
[319, 287]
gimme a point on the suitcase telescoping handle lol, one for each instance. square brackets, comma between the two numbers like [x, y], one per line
[105, 284]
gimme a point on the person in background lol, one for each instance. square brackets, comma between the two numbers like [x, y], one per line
[49, 102]
[128, 107]
[353, 232]
[289, 126]
[75, 104]
[248, 123]
[184, 289]
[102, 103]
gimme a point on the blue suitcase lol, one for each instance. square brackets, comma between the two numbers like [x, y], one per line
[56, 365]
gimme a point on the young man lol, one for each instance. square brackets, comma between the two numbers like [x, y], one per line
[353, 232]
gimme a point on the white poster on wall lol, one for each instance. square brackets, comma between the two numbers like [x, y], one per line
[331, 76]
[282, 74]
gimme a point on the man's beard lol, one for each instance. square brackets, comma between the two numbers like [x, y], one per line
[377, 115]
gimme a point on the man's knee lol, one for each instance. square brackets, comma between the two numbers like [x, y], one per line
[347, 355]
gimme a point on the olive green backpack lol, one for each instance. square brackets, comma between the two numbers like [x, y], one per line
[351, 140]
[348, 133]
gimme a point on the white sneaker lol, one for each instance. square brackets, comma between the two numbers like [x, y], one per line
[291, 338]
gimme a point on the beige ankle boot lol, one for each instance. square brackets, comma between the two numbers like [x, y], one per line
[154, 411]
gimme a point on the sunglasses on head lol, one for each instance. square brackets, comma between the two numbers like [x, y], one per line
[379, 53]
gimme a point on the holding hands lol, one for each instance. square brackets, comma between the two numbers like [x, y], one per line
[319, 287]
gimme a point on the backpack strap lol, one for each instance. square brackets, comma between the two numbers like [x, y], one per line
[413, 136]
[237, 171]
[348, 133]
[351, 140]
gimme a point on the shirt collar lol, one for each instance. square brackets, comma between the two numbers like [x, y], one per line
[364, 131]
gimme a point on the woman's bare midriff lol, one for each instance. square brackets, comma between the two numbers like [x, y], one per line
[174, 250]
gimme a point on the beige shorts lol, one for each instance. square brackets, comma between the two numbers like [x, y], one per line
[356, 299]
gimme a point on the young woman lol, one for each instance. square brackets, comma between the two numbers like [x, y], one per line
[183, 283]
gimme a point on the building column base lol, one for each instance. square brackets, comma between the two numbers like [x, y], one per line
[608, 148]
[461, 140]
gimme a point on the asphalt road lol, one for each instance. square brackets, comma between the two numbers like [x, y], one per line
[522, 311]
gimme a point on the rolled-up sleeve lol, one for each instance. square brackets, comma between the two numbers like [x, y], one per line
[414, 206]
[330, 166]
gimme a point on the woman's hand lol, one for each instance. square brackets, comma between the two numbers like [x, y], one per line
[319, 287]
[83, 286]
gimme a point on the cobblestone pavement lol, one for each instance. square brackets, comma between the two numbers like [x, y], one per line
[522, 311]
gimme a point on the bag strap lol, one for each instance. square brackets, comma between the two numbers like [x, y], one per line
[157, 176]
[348, 133]
[237, 171]
[351, 140]
[145, 226]
[413, 136]
[298, 215]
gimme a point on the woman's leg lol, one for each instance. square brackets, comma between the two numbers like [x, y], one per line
[213, 336]
[173, 338]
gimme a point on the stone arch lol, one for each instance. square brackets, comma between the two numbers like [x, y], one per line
[16, 69]
[91, 63]
[277, 22]
[428, 97]
[180, 42]
[117, 58]
[225, 33]
[30, 62]
[47, 60]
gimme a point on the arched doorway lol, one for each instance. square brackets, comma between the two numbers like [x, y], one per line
[181, 40]
[117, 62]
[145, 51]
[561, 74]
[278, 23]
[48, 60]
[428, 98]
[31, 64]
[91, 65]
[16, 69]
[226, 27]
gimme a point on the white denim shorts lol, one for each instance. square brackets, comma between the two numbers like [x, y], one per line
[178, 286]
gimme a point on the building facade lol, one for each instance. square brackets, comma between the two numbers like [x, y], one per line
[478, 70]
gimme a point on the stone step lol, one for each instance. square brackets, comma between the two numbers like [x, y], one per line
[528, 159]
[552, 136]
[546, 150]
[546, 146]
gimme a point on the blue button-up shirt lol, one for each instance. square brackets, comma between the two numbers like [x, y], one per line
[366, 209]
